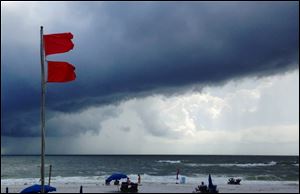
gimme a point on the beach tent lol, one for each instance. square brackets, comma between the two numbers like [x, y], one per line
[116, 176]
[210, 184]
[211, 187]
[37, 189]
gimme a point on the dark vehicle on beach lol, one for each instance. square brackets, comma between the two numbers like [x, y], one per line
[233, 181]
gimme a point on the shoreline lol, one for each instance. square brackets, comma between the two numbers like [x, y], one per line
[150, 187]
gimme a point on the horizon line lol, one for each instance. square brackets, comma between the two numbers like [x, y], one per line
[150, 155]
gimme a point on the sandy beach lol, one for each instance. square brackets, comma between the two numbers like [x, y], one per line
[246, 187]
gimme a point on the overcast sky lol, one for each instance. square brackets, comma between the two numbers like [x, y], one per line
[154, 78]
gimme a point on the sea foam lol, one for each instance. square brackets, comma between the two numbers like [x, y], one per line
[245, 165]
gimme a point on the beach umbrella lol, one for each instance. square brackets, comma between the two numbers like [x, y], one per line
[210, 184]
[37, 189]
[116, 176]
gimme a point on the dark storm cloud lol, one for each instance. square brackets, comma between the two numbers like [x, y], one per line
[135, 49]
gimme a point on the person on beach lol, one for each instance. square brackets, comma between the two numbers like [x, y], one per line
[128, 180]
[177, 175]
[139, 179]
[116, 182]
[202, 188]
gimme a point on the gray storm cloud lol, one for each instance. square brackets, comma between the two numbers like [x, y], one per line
[132, 49]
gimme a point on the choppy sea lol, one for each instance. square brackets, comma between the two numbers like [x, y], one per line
[153, 168]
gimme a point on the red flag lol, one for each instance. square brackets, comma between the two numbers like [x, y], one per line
[59, 71]
[58, 43]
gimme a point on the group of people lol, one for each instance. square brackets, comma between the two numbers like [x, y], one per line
[139, 179]
[116, 182]
[130, 187]
[203, 188]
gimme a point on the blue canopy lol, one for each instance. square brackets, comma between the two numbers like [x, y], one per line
[212, 188]
[116, 176]
[37, 189]
[210, 184]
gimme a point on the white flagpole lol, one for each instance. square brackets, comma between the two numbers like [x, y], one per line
[43, 84]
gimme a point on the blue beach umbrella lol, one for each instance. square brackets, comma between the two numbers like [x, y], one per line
[210, 184]
[116, 176]
[37, 189]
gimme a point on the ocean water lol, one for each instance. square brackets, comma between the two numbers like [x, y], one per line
[153, 168]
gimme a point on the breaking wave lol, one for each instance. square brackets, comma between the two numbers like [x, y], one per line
[169, 161]
[246, 165]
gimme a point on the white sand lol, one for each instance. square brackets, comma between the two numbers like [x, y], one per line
[246, 187]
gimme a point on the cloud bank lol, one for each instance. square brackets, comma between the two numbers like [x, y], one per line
[125, 50]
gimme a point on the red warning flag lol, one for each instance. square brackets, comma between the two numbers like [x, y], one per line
[59, 71]
[58, 43]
